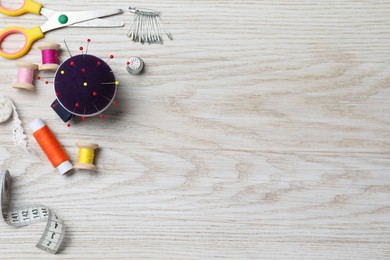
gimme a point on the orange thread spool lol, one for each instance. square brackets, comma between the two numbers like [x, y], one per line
[50, 146]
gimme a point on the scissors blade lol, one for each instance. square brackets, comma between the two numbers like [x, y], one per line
[74, 18]
[98, 23]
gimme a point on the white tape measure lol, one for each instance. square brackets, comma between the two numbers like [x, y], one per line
[53, 235]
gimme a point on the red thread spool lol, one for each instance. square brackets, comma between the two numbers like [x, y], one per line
[25, 75]
[51, 147]
[49, 56]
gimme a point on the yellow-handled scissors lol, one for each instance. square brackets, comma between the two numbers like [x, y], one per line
[55, 20]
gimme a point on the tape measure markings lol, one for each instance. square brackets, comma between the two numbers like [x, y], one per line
[54, 232]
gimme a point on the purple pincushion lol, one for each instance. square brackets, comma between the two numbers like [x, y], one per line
[85, 85]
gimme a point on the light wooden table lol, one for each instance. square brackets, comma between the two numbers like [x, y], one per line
[261, 131]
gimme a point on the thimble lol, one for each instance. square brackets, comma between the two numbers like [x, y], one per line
[135, 65]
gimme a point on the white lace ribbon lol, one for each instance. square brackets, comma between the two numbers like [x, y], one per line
[7, 108]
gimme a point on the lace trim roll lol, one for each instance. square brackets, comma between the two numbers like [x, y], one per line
[7, 109]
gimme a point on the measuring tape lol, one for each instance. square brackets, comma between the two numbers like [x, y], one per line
[53, 235]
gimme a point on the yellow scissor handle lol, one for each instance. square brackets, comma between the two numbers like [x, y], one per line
[29, 6]
[30, 36]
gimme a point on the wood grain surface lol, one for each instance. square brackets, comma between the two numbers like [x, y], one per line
[260, 132]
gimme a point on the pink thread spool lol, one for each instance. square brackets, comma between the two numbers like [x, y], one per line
[25, 75]
[49, 56]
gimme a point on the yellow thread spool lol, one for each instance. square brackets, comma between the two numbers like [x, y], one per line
[86, 156]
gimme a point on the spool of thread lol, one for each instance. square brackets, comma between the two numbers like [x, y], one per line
[25, 75]
[135, 65]
[50, 146]
[49, 56]
[86, 156]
